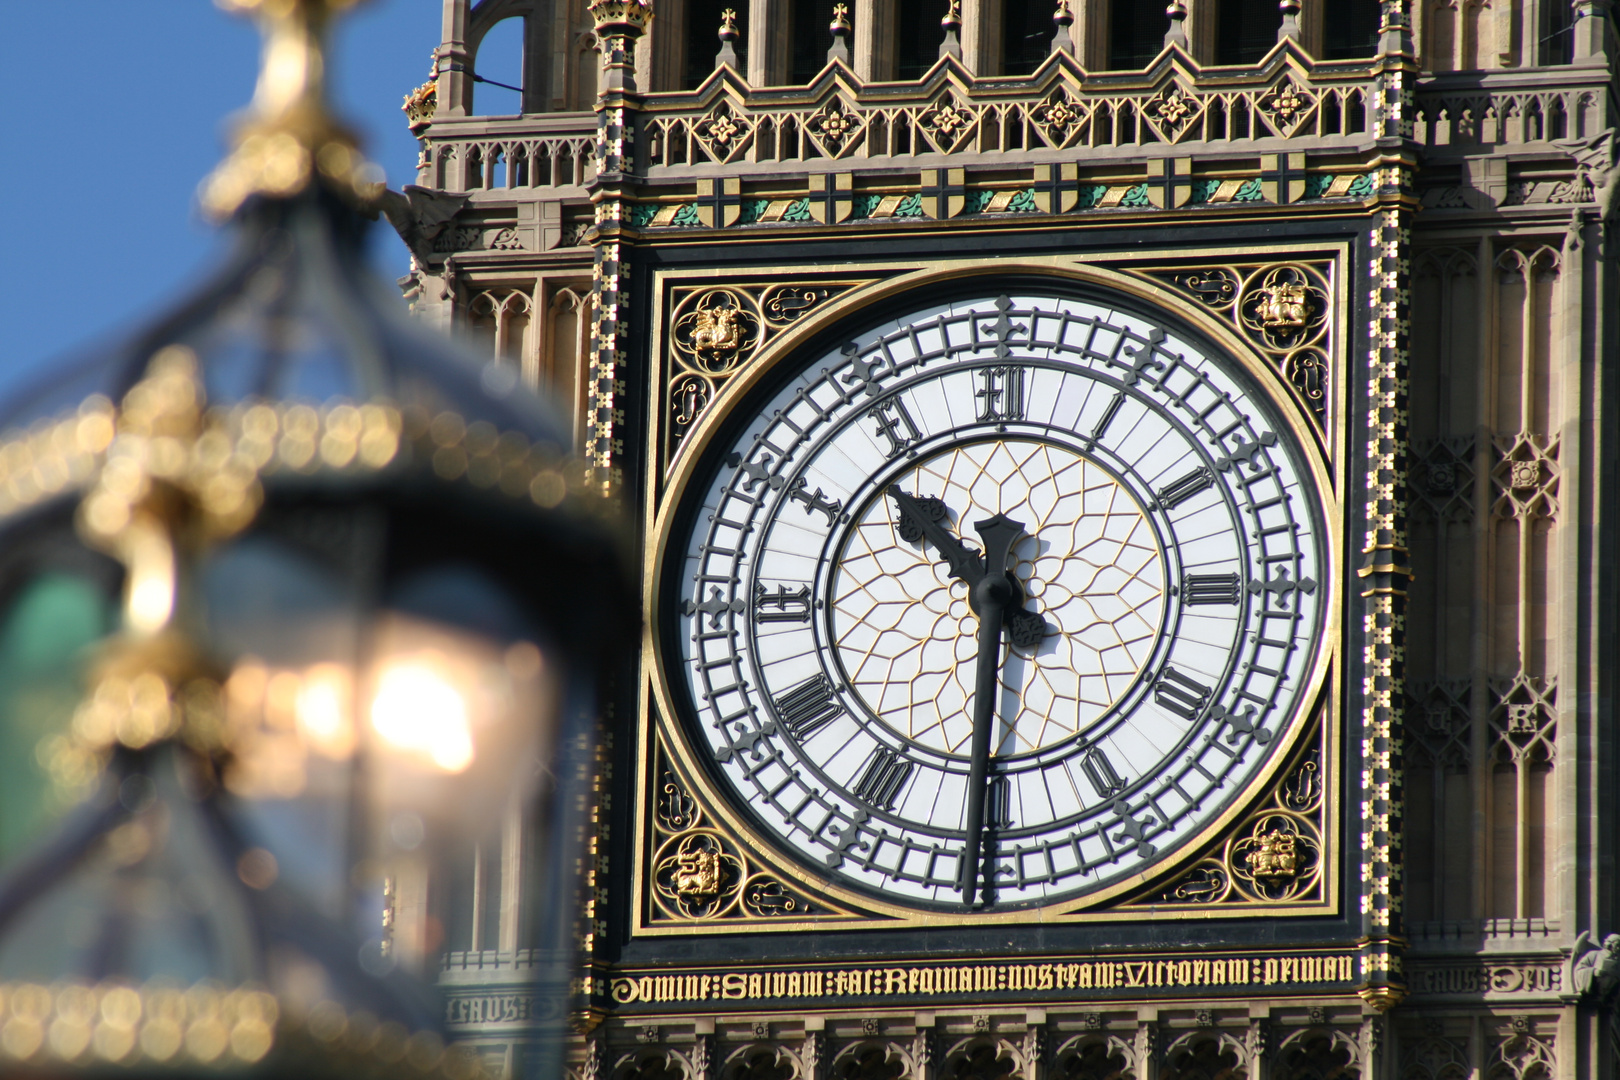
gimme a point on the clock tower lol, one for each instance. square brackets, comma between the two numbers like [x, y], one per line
[1120, 497]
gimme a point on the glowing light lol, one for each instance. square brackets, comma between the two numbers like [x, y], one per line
[418, 710]
[323, 710]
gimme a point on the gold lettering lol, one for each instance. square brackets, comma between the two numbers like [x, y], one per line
[706, 986]
[1083, 975]
[1047, 977]
[1015, 977]
[925, 982]
[795, 984]
[732, 986]
[756, 986]
[1346, 969]
[1134, 974]
[894, 981]
[1200, 973]
[778, 984]
[913, 980]
[1272, 970]
[1184, 973]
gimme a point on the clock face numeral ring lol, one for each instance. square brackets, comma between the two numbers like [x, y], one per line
[1033, 572]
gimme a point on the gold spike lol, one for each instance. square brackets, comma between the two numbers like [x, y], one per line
[288, 139]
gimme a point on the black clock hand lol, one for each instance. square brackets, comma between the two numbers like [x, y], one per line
[995, 595]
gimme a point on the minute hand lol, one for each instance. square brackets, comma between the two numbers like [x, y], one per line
[992, 595]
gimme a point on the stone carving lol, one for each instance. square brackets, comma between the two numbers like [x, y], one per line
[1436, 1058]
[1595, 971]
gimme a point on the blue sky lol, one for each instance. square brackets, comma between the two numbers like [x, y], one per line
[118, 111]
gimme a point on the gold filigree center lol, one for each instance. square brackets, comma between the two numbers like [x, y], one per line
[1089, 564]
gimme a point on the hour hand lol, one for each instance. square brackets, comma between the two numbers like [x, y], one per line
[925, 520]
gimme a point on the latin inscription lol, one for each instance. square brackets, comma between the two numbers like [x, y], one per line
[945, 980]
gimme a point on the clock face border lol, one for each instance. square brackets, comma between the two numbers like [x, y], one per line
[1317, 702]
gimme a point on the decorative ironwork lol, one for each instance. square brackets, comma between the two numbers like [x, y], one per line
[715, 332]
[1282, 309]
[701, 874]
[1276, 853]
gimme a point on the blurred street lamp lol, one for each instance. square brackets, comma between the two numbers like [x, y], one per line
[367, 608]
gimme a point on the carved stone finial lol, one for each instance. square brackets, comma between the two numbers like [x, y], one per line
[619, 25]
[727, 56]
[1062, 19]
[952, 25]
[1290, 20]
[1177, 34]
[840, 30]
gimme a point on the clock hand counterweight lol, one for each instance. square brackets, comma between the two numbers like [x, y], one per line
[995, 597]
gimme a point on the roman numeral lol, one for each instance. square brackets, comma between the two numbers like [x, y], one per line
[807, 708]
[895, 424]
[1102, 774]
[1207, 589]
[998, 804]
[781, 605]
[1179, 491]
[880, 783]
[1179, 694]
[1002, 396]
[1107, 417]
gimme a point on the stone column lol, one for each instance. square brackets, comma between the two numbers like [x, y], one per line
[1090, 33]
[455, 88]
[981, 37]
[770, 46]
[875, 40]
[667, 62]
[537, 58]
[1594, 31]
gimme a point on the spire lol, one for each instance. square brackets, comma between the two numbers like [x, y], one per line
[839, 28]
[1062, 19]
[952, 25]
[727, 56]
[1177, 34]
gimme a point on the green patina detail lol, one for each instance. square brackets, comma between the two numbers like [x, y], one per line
[1137, 196]
[799, 211]
[1089, 195]
[1249, 192]
[686, 217]
[1201, 190]
[1023, 202]
[976, 201]
[751, 210]
[863, 205]
[910, 206]
[1316, 186]
[641, 213]
[1361, 186]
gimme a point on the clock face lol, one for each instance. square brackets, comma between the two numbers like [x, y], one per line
[1161, 603]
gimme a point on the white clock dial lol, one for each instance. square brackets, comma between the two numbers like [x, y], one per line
[1165, 612]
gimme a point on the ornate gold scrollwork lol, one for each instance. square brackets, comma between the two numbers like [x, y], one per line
[1276, 853]
[1282, 308]
[716, 331]
[699, 874]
